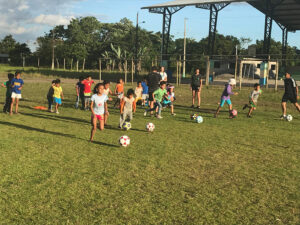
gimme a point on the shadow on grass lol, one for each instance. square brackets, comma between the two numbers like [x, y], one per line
[105, 144]
[56, 117]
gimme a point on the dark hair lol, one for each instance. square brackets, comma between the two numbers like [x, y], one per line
[162, 83]
[17, 72]
[139, 82]
[10, 76]
[81, 78]
[106, 82]
[97, 87]
[57, 81]
[53, 82]
[130, 92]
[256, 85]
[88, 76]
[154, 68]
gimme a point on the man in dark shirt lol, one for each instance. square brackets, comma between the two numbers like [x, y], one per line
[196, 86]
[290, 94]
[153, 80]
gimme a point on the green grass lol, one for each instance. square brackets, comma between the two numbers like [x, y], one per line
[241, 171]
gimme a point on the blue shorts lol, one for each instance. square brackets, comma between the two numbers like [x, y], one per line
[223, 102]
[57, 100]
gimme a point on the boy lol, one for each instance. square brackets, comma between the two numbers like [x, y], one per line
[157, 96]
[7, 85]
[153, 80]
[80, 94]
[119, 91]
[226, 97]
[50, 96]
[128, 105]
[196, 86]
[87, 91]
[58, 95]
[17, 85]
[145, 94]
[290, 94]
[253, 99]
[170, 99]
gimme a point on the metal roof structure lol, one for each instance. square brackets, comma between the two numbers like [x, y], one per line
[286, 13]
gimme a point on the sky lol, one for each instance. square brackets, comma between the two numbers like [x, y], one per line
[28, 19]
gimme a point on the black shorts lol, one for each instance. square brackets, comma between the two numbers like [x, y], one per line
[290, 98]
[195, 88]
[151, 96]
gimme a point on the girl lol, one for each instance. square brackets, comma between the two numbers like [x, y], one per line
[119, 91]
[138, 92]
[98, 108]
[226, 97]
[128, 106]
[196, 86]
[168, 101]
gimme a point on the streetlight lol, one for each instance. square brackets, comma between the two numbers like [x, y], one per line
[136, 45]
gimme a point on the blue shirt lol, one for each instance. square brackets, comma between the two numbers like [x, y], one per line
[17, 83]
[145, 88]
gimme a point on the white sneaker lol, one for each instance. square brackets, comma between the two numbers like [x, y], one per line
[145, 113]
[159, 117]
[57, 112]
[173, 114]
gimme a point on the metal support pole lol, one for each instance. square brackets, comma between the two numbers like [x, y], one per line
[236, 63]
[284, 46]
[136, 45]
[241, 74]
[276, 76]
[184, 49]
[213, 19]
[207, 71]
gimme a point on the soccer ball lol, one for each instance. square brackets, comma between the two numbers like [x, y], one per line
[150, 127]
[199, 119]
[234, 112]
[193, 116]
[124, 141]
[289, 118]
[126, 126]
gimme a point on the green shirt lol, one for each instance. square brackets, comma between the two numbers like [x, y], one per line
[159, 94]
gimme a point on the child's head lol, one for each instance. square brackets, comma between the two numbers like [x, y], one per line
[10, 76]
[81, 78]
[139, 84]
[197, 71]
[162, 69]
[106, 84]
[257, 87]
[163, 85]
[287, 75]
[17, 74]
[170, 88]
[88, 77]
[130, 93]
[232, 82]
[99, 88]
[57, 82]
[154, 69]
[120, 81]
[53, 82]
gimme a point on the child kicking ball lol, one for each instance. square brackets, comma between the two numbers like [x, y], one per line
[253, 100]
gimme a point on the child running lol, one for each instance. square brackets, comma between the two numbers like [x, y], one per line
[253, 99]
[7, 85]
[145, 94]
[80, 94]
[98, 108]
[128, 105]
[17, 85]
[119, 91]
[87, 91]
[50, 96]
[58, 95]
[168, 101]
[158, 96]
[226, 97]
[138, 92]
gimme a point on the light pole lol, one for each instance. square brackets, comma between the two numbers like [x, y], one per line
[136, 45]
[184, 49]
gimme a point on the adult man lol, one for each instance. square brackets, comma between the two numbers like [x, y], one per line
[163, 74]
[290, 94]
[153, 80]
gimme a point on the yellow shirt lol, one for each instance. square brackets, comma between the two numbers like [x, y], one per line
[57, 92]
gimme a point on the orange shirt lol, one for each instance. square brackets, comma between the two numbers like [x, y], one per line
[120, 88]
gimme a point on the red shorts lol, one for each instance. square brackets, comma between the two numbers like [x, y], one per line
[99, 117]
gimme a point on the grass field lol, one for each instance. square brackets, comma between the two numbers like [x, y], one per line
[241, 171]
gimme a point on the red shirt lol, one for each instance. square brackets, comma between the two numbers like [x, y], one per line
[87, 86]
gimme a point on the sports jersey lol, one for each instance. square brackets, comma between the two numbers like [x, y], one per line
[87, 86]
[196, 80]
[17, 83]
[57, 92]
[254, 95]
[159, 94]
[153, 81]
[99, 102]
[290, 86]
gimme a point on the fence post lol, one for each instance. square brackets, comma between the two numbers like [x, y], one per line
[132, 71]
[38, 63]
[100, 70]
[71, 66]
[276, 77]
[77, 64]
[125, 71]
[241, 74]
[23, 63]
[207, 71]
[64, 63]
[236, 66]
[177, 73]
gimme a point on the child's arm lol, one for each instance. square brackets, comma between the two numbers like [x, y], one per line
[122, 103]
[134, 106]
[77, 90]
[106, 109]
[3, 85]
[92, 107]
[62, 95]
[116, 90]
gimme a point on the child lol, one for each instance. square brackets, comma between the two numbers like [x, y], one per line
[168, 101]
[50, 96]
[107, 92]
[138, 92]
[196, 86]
[226, 97]
[87, 91]
[98, 108]
[16, 85]
[80, 94]
[58, 95]
[158, 95]
[253, 99]
[7, 85]
[119, 91]
[145, 94]
[128, 104]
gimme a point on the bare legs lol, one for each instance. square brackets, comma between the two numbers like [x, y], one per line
[198, 97]
[12, 105]
[94, 127]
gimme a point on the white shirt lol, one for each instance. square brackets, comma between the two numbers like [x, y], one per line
[99, 103]
[163, 75]
[106, 91]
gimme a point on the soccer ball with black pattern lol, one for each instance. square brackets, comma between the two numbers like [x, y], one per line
[289, 118]
[126, 126]
[194, 116]
[124, 141]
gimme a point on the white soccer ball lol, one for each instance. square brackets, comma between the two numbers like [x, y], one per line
[199, 119]
[289, 118]
[150, 127]
[124, 141]
[126, 126]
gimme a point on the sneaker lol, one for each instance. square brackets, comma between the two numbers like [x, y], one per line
[198, 107]
[249, 116]
[245, 106]
[159, 117]
[192, 106]
[283, 117]
[57, 112]
[173, 114]
[145, 113]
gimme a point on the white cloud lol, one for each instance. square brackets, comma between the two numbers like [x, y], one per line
[52, 20]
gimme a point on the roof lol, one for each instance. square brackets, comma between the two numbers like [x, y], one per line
[4, 55]
[285, 12]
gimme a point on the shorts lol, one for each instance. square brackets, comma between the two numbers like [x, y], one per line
[15, 95]
[57, 100]
[290, 98]
[99, 117]
[138, 99]
[228, 101]
[252, 104]
[151, 97]
[195, 88]
[87, 95]
[145, 96]
[120, 95]
[167, 103]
